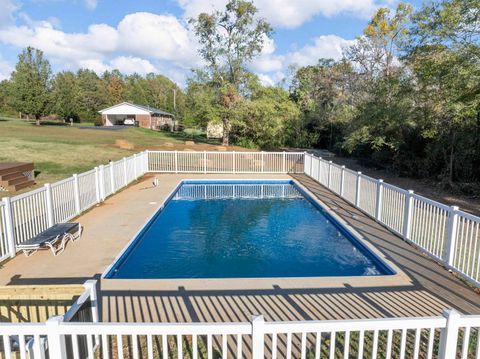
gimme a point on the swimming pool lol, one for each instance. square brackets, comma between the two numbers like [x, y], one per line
[244, 229]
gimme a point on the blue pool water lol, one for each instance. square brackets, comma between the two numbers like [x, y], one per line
[243, 230]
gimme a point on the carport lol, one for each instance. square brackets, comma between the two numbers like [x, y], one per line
[127, 113]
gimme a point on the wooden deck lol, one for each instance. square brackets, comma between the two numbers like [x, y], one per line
[430, 289]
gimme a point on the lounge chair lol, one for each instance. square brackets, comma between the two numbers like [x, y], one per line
[53, 238]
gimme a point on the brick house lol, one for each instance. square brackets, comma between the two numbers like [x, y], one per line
[127, 113]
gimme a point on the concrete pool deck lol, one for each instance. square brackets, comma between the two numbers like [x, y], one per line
[422, 288]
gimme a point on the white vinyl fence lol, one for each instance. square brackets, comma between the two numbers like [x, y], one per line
[445, 233]
[24, 216]
[446, 337]
[225, 162]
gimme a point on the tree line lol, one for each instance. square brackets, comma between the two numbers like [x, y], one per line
[33, 91]
[405, 96]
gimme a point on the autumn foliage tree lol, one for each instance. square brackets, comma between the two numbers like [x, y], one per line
[229, 40]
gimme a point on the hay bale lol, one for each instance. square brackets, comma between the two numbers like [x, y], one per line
[124, 144]
[189, 143]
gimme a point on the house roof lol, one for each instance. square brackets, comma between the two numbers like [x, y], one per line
[152, 110]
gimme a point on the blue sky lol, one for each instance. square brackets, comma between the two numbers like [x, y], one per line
[153, 36]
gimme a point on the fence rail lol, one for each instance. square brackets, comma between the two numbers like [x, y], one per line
[446, 337]
[225, 162]
[445, 233]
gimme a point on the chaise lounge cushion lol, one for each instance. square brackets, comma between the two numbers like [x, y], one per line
[53, 238]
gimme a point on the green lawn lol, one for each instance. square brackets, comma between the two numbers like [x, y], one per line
[58, 151]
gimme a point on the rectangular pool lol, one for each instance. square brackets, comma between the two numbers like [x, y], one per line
[244, 229]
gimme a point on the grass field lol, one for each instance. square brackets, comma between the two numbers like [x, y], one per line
[58, 151]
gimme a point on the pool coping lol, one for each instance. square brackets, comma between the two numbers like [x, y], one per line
[398, 276]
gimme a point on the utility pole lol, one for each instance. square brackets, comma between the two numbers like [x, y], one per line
[174, 107]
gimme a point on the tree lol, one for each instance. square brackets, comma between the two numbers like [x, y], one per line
[325, 94]
[5, 100]
[229, 40]
[266, 118]
[375, 51]
[114, 87]
[89, 97]
[30, 83]
[201, 103]
[64, 88]
[444, 55]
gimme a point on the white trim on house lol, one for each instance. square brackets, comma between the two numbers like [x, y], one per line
[125, 108]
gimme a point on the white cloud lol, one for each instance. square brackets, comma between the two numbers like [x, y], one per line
[325, 46]
[5, 69]
[91, 4]
[271, 67]
[7, 8]
[138, 39]
[129, 65]
[271, 79]
[159, 36]
[267, 61]
[98, 40]
[291, 14]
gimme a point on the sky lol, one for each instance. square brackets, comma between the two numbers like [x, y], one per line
[143, 36]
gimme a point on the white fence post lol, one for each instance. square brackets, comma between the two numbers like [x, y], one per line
[450, 244]
[358, 185]
[233, 164]
[9, 228]
[101, 175]
[49, 200]
[319, 169]
[342, 182]
[407, 215]
[263, 164]
[56, 341]
[135, 173]
[284, 163]
[176, 161]
[379, 200]
[329, 181]
[146, 162]
[112, 178]
[304, 162]
[449, 335]
[204, 161]
[258, 334]
[98, 195]
[125, 175]
[76, 192]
